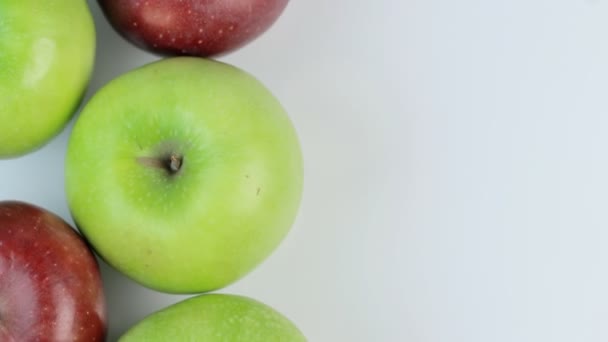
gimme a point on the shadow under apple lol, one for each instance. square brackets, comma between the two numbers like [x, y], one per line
[129, 302]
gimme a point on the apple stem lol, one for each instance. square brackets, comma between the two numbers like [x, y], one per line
[175, 163]
[172, 163]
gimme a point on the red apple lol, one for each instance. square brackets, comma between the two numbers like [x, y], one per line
[191, 27]
[50, 285]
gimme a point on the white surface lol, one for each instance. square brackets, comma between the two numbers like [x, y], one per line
[456, 170]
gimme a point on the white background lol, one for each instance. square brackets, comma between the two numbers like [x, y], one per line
[456, 170]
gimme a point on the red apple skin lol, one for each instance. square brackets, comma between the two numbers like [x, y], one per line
[50, 285]
[200, 28]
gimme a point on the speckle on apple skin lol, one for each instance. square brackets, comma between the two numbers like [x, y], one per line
[201, 28]
[50, 286]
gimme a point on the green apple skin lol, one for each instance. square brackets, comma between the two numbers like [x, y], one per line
[215, 318]
[231, 202]
[47, 50]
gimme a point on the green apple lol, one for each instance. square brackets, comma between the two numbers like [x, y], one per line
[47, 49]
[184, 174]
[215, 318]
